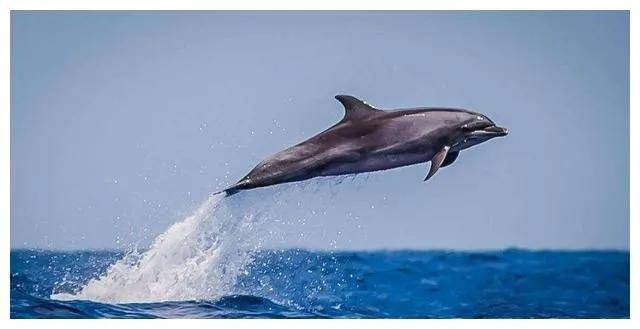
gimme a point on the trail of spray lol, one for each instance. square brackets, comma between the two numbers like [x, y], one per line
[198, 258]
[201, 257]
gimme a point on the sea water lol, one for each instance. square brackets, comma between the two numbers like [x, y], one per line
[212, 264]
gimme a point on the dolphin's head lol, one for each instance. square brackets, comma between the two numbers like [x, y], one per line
[475, 128]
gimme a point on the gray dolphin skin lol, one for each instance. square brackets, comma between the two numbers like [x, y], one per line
[368, 139]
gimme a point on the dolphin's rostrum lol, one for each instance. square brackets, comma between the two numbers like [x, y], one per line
[369, 139]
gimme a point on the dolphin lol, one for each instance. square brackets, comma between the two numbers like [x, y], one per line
[369, 139]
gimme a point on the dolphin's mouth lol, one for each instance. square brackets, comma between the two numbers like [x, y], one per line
[480, 135]
[494, 131]
[488, 132]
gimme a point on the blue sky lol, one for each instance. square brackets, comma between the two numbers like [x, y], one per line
[122, 123]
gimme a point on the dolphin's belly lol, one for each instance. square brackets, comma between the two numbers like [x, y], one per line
[374, 163]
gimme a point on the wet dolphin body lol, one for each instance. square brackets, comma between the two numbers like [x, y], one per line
[368, 139]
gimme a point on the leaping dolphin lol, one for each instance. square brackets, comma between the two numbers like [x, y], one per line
[368, 139]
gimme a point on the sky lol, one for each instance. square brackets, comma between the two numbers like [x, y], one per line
[122, 123]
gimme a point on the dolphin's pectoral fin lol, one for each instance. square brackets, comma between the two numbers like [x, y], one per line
[437, 161]
[451, 157]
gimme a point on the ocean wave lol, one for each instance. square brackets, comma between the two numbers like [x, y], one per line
[212, 264]
[374, 284]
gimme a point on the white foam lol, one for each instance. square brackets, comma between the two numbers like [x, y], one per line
[201, 257]
[198, 258]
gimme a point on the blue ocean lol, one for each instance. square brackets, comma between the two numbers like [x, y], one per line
[295, 283]
[212, 264]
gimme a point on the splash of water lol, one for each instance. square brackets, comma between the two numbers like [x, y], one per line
[201, 257]
[198, 258]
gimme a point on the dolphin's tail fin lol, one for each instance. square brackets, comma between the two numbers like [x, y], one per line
[220, 192]
[227, 192]
[233, 189]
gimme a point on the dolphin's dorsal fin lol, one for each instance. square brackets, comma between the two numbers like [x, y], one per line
[355, 109]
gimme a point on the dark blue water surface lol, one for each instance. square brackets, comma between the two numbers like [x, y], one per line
[384, 284]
